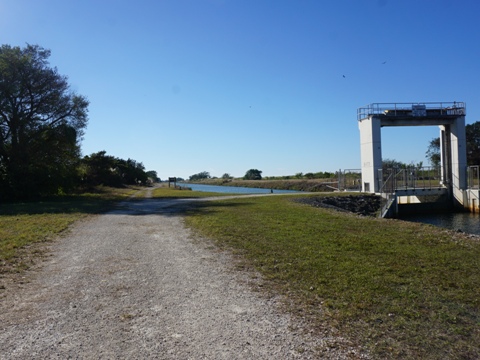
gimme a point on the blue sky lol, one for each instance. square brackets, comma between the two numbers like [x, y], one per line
[225, 86]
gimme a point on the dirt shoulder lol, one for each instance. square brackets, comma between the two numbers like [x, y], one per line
[136, 283]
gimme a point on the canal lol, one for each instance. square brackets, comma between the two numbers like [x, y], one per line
[464, 221]
[234, 189]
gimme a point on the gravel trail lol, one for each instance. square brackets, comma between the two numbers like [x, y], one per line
[135, 284]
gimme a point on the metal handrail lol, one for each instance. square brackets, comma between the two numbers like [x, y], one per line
[405, 109]
[416, 177]
[473, 177]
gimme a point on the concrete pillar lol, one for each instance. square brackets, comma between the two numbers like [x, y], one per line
[459, 159]
[370, 152]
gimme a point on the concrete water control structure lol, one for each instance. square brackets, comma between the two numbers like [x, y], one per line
[448, 116]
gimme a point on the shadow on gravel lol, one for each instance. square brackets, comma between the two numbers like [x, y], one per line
[74, 204]
[169, 207]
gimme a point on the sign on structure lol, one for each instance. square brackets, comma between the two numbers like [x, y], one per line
[419, 110]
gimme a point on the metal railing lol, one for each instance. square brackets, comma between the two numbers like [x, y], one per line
[412, 109]
[350, 180]
[409, 178]
[387, 190]
[473, 177]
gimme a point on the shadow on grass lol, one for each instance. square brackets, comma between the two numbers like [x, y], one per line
[60, 205]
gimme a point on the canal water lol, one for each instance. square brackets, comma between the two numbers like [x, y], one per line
[464, 221]
[234, 189]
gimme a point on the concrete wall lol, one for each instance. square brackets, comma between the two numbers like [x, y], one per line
[459, 159]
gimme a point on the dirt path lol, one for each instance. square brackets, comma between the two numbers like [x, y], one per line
[135, 284]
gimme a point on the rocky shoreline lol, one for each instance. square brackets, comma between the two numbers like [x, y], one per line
[365, 205]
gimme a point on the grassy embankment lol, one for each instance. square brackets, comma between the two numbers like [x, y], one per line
[402, 290]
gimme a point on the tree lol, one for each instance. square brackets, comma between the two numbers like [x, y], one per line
[101, 169]
[392, 164]
[200, 176]
[433, 152]
[472, 133]
[41, 123]
[253, 174]
[153, 176]
[131, 171]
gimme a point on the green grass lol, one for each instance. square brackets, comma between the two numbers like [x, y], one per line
[24, 224]
[402, 290]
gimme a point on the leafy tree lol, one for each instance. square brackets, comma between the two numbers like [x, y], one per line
[392, 164]
[152, 175]
[131, 171]
[433, 152]
[200, 176]
[472, 133]
[253, 174]
[41, 122]
[226, 176]
[101, 169]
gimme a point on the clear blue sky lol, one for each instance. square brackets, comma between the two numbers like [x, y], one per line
[225, 86]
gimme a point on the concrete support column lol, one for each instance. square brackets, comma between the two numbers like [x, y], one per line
[459, 159]
[370, 152]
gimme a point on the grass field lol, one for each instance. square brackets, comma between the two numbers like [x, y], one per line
[402, 290]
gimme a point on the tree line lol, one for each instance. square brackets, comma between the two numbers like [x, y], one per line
[255, 174]
[252, 174]
[42, 121]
